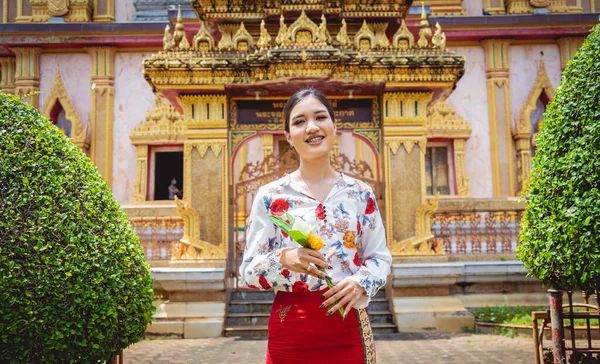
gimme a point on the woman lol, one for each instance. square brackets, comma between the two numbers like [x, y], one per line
[305, 324]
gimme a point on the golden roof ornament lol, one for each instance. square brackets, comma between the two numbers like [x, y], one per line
[303, 31]
[425, 31]
[242, 40]
[342, 36]
[381, 39]
[265, 39]
[439, 38]
[324, 36]
[225, 43]
[364, 40]
[179, 39]
[282, 38]
[203, 41]
[403, 39]
[167, 39]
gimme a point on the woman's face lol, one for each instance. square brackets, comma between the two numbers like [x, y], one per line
[312, 131]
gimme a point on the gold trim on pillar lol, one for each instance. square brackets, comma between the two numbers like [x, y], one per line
[442, 122]
[58, 93]
[204, 111]
[5, 11]
[7, 67]
[568, 49]
[409, 142]
[140, 186]
[27, 72]
[497, 72]
[420, 244]
[524, 132]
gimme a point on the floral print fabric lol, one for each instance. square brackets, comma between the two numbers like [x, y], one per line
[348, 221]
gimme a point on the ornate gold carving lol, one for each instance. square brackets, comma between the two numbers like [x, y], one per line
[140, 185]
[425, 30]
[523, 134]
[237, 138]
[528, 6]
[265, 39]
[27, 72]
[7, 81]
[364, 40]
[225, 43]
[179, 39]
[203, 146]
[442, 122]
[58, 93]
[460, 168]
[191, 228]
[283, 37]
[168, 42]
[402, 108]
[403, 39]
[304, 32]
[58, 7]
[204, 111]
[324, 36]
[163, 125]
[421, 243]
[381, 39]
[203, 41]
[439, 38]
[408, 143]
[242, 40]
[373, 136]
[342, 36]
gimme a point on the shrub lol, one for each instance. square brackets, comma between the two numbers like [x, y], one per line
[74, 283]
[560, 232]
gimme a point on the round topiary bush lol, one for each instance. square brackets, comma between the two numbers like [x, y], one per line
[74, 283]
[560, 232]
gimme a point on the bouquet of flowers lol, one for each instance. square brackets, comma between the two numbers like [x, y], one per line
[301, 232]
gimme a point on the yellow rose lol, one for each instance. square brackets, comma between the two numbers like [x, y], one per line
[316, 242]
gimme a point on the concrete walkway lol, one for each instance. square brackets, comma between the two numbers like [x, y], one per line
[391, 349]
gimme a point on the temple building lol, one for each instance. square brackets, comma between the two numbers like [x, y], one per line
[179, 105]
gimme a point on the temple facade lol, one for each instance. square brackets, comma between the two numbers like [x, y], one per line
[179, 104]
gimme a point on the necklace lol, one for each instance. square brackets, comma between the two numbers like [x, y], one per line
[308, 189]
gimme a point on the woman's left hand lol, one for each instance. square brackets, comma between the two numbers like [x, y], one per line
[348, 292]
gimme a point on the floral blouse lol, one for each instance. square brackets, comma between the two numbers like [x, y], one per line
[348, 221]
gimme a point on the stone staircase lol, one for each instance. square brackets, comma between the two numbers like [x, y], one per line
[248, 314]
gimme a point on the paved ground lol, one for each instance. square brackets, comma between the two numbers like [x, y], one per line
[391, 349]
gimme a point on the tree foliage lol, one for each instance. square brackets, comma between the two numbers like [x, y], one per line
[560, 232]
[74, 283]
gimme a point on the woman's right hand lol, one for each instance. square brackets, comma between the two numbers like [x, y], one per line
[300, 259]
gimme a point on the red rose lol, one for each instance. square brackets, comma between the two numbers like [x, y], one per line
[370, 207]
[356, 260]
[279, 207]
[264, 283]
[300, 286]
[357, 227]
[285, 273]
[319, 212]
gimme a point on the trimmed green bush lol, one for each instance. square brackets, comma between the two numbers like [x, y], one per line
[74, 283]
[560, 232]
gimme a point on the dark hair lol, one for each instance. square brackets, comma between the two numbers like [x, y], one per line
[301, 95]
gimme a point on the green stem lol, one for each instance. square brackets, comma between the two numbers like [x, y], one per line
[330, 285]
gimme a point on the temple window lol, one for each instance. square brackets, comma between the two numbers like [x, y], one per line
[166, 173]
[438, 164]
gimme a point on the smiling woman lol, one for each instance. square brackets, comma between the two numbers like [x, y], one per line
[334, 208]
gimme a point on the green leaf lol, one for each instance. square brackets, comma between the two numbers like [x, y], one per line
[300, 238]
[291, 218]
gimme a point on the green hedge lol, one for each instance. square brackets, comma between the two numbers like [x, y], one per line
[74, 283]
[560, 232]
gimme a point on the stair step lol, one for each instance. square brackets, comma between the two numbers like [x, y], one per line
[250, 294]
[262, 318]
[262, 330]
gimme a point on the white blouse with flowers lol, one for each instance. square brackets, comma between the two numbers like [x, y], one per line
[348, 221]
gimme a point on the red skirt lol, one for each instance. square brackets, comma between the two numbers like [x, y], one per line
[300, 332]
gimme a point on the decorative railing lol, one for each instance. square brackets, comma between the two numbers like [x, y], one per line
[158, 235]
[477, 226]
